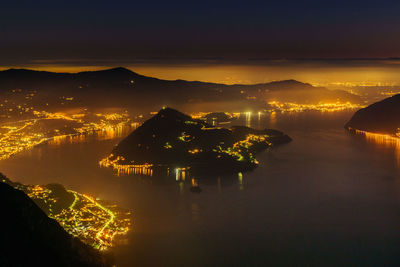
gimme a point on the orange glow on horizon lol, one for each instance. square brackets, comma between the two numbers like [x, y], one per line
[317, 74]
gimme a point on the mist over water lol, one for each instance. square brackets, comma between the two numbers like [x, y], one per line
[328, 197]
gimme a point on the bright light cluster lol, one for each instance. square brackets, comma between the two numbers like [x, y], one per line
[94, 222]
[202, 115]
[323, 107]
[241, 148]
[117, 163]
[47, 126]
[195, 151]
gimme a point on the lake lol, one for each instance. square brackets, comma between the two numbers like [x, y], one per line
[326, 198]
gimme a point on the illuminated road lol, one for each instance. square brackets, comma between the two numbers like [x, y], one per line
[109, 212]
[75, 199]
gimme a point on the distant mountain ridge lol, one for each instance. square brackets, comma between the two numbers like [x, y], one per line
[124, 87]
[121, 72]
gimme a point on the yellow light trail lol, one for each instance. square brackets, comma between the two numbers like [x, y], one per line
[109, 212]
[75, 200]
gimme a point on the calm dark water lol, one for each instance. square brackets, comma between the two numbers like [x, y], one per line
[327, 198]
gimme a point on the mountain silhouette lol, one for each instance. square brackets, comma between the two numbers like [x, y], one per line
[125, 88]
[380, 117]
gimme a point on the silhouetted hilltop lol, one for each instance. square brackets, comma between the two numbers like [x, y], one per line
[381, 117]
[287, 85]
[62, 199]
[123, 87]
[173, 139]
[217, 117]
[30, 238]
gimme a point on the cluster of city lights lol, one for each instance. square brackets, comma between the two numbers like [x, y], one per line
[379, 138]
[24, 125]
[47, 126]
[238, 151]
[390, 93]
[242, 147]
[118, 164]
[202, 115]
[93, 221]
[323, 107]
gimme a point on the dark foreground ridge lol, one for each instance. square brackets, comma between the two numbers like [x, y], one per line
[30, 238]
[173, 139]
[381, 117]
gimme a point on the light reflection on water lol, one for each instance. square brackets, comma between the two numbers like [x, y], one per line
[382, 141]
[325, 195]
[109, 133]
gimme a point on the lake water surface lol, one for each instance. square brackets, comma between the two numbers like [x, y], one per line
[327, 198]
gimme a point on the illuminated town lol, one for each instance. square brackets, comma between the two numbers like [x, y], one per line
[323, 107]
[24, 125]
[46, 126]
[28, 118]
[276, 106]
[93, 221]
[241, 148]
[115, 163]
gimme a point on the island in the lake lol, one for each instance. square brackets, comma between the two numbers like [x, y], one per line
[380, 118]
[172, 139]
[30, 238]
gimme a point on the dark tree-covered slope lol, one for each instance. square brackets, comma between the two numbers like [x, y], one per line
[381, 117]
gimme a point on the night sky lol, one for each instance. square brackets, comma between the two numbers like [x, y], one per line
[62, 31]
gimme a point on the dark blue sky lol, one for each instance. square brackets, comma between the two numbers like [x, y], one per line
[182, 30]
